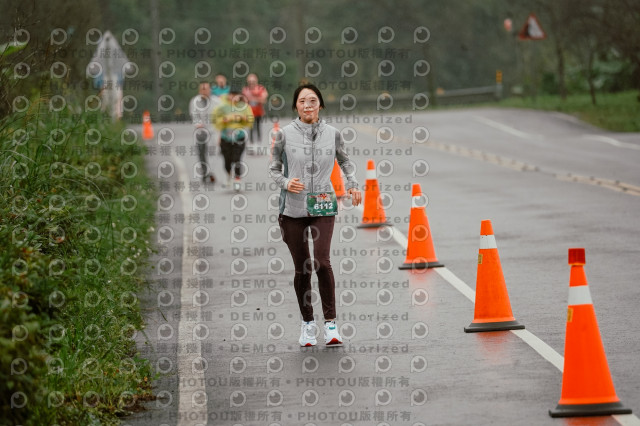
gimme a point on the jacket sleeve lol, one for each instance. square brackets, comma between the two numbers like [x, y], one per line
[347, 166]
[217, 115]
[277, 164]
[195, 117]
[247, 117]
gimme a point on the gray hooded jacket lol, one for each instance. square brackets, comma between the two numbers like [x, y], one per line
[293, 157]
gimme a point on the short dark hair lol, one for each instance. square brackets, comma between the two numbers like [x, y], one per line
[310, 87]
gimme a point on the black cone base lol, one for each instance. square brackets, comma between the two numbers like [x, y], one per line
[420, 265]
[580, 410]
[373, 224]
[493, 326]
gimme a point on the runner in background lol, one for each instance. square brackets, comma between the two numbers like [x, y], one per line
[200, 109]
[221, 87]
[232, 118]
[257, 95]
[303, 156]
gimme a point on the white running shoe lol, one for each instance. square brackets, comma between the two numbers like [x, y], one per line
[331, 335]
[308, 333]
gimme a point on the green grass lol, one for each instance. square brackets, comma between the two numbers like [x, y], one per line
[618, 112]
[74, 222]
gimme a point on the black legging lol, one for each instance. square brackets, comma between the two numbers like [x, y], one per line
[232, 151]
[255, 130]
[294, 234]
[203, 150]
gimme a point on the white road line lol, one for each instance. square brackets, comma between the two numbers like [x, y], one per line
[545, 351]
[537, 344]
[399, 237]
[457, 283]
[612, 141]
[627, 419]
[503, 127]
[191, 383]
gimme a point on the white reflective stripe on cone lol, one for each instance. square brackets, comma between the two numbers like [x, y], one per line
[488, 242]
[580, 295]
[418, 201]
[371, 174]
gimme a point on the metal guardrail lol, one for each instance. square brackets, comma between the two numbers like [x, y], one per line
[470, 95]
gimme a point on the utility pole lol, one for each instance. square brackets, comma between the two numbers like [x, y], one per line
[155, 50]
[433, 99]
[299, 44]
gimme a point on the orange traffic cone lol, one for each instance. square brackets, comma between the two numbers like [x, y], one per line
[492, 306]
[420, 251]
[147, 130]
[373, 215]
[275, 133]
[587, 388]
[336, 180]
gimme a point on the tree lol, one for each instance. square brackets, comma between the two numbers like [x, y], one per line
[37, 23]
[621, 20]
[558, 14]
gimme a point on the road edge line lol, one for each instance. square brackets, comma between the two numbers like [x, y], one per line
[186, 392]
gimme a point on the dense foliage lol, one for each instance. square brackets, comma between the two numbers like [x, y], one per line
[75, 215]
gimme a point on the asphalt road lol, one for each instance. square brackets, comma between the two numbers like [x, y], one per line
[223, 321]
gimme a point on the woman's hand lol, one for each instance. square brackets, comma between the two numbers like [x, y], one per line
[295, 186]
[356, 196]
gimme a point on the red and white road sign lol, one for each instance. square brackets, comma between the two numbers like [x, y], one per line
[532, 30]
